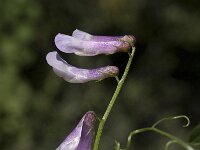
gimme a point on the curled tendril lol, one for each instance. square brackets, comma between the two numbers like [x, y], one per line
[168, 144]
[185, 117]
[173, 118]
[161, 132]
[134, 133]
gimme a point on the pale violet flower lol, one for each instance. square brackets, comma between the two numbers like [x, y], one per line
[85, 44]
[81, 137]
[77, 75]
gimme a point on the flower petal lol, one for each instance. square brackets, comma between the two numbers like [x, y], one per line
[84, 44]
[81, 35]
[82, 136]
[88, 37]
[78, 75]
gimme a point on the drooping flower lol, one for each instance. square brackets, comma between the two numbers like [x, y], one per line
[81, 137]
[77, 75]
[85, 44]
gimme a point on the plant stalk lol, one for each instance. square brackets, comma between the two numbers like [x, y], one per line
[112, 101]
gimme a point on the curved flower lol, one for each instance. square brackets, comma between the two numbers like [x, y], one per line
[82, 136]
[85, 44]
[77, 75]
[81, 35]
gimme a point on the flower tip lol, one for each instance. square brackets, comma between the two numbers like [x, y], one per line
[65, 43]
[51, 57]
[58, 36]
[90, 118]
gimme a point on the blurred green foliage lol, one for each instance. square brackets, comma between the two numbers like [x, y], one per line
[38, 109]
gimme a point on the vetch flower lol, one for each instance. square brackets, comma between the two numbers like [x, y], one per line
[85, 44]
[81, 137]
[77, 75]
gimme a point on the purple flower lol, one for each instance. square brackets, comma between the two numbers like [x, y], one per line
[81, 137]
[77, 75]
[84, 44]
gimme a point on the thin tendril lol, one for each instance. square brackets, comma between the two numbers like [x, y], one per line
[168, 144]
[172, 118]
[161, 132]
[184, 117]
[154, 129]
[134, 133]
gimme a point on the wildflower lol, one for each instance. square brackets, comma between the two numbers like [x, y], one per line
[77, 75]
[85, 44]
[82, 136]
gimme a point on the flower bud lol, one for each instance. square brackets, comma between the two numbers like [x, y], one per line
[82, 136]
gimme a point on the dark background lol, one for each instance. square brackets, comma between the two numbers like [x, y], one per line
[38, 109]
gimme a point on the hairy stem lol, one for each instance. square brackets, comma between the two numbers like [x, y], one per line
[112, 101]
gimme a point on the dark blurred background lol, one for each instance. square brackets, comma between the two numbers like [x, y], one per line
[38, 109]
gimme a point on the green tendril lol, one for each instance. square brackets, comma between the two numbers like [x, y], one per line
[168, 144]
[153, 128]
[163, 133]
[173, 118]
[184, 117]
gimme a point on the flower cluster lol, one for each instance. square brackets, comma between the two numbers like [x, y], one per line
[84, 44]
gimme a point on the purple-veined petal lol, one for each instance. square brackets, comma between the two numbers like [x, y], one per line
[82, 136]
[78, 75]
[84, 44]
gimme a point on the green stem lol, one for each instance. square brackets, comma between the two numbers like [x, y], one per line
[112, 101]
[175, 139]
